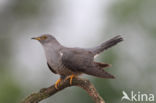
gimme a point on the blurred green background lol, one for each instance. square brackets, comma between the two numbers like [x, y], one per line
[81, 23]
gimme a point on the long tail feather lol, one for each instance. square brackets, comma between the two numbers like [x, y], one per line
[115, 40]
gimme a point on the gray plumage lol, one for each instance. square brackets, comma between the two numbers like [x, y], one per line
[67, 61]
[107, 44]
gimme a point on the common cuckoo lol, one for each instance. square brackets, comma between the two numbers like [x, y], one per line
[71, 62]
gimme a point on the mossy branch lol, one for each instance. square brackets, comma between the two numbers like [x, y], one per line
[47, 92]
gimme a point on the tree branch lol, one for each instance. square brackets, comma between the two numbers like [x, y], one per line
[47, 92]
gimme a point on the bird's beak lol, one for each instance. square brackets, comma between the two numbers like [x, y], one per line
[36, 38]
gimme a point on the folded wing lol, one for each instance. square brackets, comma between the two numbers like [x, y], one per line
[79, 61]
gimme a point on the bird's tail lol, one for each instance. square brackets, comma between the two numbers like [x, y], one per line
[107, 44]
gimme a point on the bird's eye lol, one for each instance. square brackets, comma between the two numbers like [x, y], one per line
[44, 37]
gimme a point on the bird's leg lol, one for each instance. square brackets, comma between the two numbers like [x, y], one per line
[62, 77]
[71, 78]
[57, 83]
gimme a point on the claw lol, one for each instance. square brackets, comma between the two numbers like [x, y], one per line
[57, 83]
[71, 78]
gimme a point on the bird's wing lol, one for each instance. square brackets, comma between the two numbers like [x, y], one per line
[102, 65]
[78, 61]
[51, 69]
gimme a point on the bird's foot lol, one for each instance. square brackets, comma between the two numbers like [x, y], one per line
[71, 78]
[57, 83]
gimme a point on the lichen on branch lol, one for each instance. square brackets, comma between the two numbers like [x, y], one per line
[47, 92]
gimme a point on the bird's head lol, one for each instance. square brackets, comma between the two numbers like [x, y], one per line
[45, 38]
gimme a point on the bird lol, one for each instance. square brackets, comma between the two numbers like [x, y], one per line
[70, 62]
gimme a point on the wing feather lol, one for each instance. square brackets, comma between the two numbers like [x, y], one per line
[51, 69]
[83, 62]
